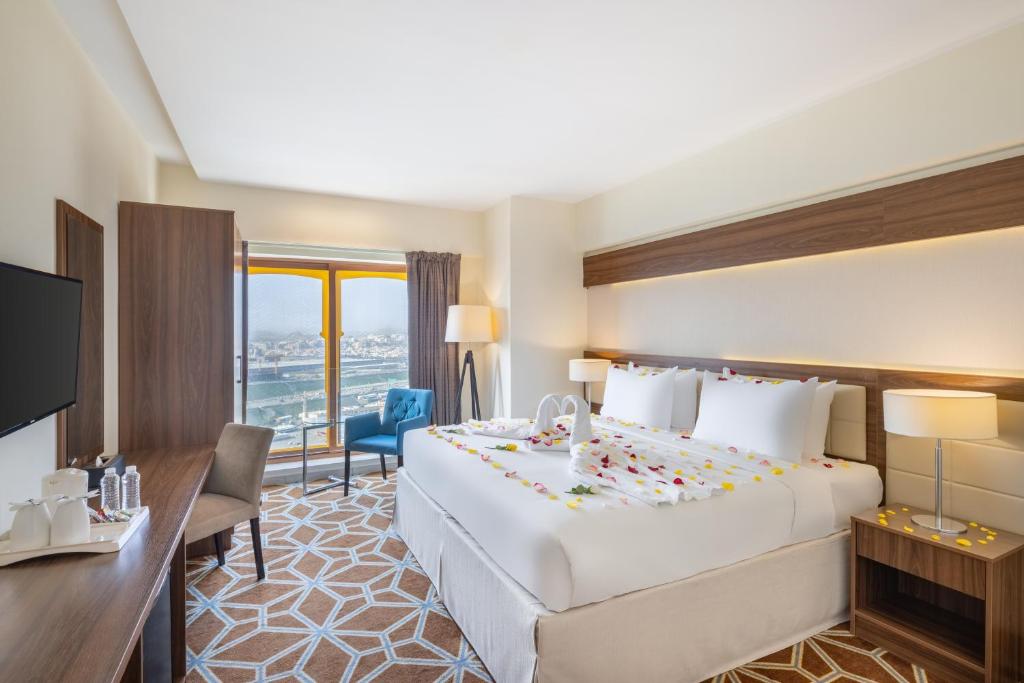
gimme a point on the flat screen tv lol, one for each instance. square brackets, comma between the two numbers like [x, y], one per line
[40, 317]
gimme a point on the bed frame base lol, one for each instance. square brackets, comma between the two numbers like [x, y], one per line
[687, 630]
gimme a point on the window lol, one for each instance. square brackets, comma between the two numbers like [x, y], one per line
[325, 339]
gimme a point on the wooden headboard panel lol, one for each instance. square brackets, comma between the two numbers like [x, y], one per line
[874, 380]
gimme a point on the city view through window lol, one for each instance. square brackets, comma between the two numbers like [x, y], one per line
[289, 329]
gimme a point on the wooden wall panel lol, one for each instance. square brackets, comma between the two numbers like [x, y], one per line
[80, 255]
[175, 325]
[986, 197]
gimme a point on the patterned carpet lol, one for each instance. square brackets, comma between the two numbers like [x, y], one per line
[344, 600]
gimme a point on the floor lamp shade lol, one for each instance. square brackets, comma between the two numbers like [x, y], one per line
[469, 324]
[940, 414]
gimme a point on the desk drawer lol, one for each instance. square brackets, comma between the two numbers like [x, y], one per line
[930, 562]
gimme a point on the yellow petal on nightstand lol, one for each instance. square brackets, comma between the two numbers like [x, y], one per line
[964, 542]
[908, 529]
[936, 537]
[972, 524]
[990, 537]
[984, 528]
[982, 541]
[905, 509]
[890, 512]
[883, 522]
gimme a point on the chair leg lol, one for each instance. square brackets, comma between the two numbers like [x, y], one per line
[257, 547]
[348, 467]
[218, 544]
[383, 468]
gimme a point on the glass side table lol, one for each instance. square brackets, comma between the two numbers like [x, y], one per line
[334, 480]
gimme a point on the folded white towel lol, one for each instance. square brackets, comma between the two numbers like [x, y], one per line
[518, 429]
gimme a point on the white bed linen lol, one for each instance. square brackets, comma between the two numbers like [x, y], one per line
[567, 558]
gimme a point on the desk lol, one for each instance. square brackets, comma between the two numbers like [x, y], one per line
[79, 617]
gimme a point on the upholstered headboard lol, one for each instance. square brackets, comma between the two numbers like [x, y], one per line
[985, 479]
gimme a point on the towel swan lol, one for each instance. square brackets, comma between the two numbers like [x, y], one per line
[545, 434]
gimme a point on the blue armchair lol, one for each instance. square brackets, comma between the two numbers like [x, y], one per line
[404, 409]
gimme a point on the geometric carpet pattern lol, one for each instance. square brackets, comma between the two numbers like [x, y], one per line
[344, 600]
[832, 655]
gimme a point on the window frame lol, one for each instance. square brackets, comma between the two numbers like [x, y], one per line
[333, 274]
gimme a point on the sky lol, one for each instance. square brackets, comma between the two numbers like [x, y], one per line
[282, 304]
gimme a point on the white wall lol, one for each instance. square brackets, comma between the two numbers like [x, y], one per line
[945, 304]
[548, 319]
[62, 135]
[966, 102]
[269, 215]
[497, 288]
[534, 281]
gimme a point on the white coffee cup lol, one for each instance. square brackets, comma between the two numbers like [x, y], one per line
[31, 526]
[70, 524]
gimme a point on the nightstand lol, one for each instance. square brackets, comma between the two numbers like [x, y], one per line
[955, 609]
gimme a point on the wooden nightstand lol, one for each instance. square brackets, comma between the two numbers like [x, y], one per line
[956, 610]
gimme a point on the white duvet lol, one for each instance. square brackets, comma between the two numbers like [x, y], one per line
[571, 549]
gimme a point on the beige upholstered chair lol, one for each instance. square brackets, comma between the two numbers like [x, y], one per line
[232, 491]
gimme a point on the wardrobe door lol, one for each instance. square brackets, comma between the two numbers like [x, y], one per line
[175, 325]
[80, 255]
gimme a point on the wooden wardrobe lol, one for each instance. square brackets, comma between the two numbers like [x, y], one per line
[176, 328]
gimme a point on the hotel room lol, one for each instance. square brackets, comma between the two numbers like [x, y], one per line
[569, 341]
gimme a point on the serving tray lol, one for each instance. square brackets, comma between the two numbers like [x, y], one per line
[104, 538]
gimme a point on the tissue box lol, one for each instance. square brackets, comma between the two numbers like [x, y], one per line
[96, 473]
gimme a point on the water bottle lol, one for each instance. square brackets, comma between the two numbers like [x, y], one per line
[110, 490]
[132, 490]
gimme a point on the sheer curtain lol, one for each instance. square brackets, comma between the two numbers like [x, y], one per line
[433, 284]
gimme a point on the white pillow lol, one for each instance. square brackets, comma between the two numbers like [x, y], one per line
[684, 395]
[768, 418]
[642, 398]
[817, 422]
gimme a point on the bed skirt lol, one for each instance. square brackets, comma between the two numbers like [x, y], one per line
[687, 630]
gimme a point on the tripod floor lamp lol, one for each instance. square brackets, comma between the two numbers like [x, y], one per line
[467, 325]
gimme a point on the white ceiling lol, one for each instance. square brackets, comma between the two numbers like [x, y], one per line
[463, 102]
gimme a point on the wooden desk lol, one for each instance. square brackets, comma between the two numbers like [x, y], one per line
[79, 617]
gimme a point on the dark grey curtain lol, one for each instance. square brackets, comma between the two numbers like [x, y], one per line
[433, 364]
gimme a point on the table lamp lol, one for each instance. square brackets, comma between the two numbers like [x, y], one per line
[588, 371]
[469, 324]
[940, 414]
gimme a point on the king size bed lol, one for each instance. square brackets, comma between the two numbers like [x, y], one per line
[551, 583]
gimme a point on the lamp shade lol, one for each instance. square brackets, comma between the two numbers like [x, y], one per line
[588, 369]
[469, 324]
[940, 414]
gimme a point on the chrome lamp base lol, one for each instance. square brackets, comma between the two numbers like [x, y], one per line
[943, 525]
